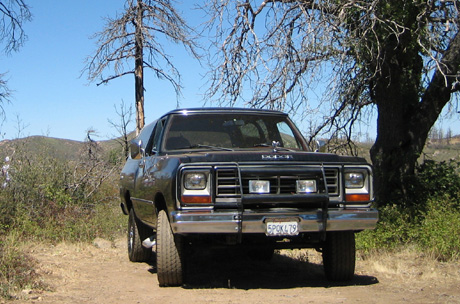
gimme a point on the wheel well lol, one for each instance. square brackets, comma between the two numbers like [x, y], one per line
[160, 203]
[128, 202]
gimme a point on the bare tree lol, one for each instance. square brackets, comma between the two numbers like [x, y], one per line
[400, 57]
[135, 36]
[5, 93]
[13, 14]
[449, 135]
[125, 115]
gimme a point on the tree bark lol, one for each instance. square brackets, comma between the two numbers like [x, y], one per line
[139, 69]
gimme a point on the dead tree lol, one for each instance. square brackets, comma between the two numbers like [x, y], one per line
[131, 42]
[124, 114]
[13, 15]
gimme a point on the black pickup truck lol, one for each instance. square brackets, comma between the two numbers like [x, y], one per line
[240, 177]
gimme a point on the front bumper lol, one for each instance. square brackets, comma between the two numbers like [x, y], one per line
[253, 221]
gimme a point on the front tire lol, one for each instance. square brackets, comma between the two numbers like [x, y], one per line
[136, 231]
[169, 253]
[339, 255]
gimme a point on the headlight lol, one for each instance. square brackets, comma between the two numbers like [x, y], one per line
[195, 180]
[357, 183]
[196, 187]
[354, 180]
[306, 186]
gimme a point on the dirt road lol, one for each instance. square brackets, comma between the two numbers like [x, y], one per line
[101, 273]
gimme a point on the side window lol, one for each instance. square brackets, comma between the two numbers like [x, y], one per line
[143, 138]
[157, 136]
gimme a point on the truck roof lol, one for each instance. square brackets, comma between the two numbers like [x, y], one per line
[225, 110]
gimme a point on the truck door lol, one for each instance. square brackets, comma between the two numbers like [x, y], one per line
[146, 187]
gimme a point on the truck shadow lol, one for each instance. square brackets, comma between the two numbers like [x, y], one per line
[235, 270]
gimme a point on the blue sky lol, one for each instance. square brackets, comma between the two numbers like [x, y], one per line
[50, 98]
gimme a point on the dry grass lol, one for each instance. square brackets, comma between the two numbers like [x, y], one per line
[409, 264]
[303, 255]
[406, 264]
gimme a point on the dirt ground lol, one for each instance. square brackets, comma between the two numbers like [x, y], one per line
[101, 273]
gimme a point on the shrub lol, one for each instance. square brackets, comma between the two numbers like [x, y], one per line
[54, 198]
[438, 231]
[436, 179]
[16, 269]
[395, 227]
[430, 220]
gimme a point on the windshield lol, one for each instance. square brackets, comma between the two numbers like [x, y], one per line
[229, 131]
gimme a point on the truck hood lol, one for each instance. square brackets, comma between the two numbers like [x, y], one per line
[267, 156]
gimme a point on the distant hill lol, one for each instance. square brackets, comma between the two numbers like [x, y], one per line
[443, 149]
[439, 150]
[59, 148]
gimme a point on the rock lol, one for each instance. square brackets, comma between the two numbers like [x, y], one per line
[102, 243]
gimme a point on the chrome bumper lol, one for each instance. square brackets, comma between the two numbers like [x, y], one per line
[253, 221]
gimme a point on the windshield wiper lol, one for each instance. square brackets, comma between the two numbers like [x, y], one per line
[262, 145]
[210, 147]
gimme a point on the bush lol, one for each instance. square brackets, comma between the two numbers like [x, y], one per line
[430, 221]
[54, 200]
[16, 269]
[435, 180]
[57, 199]
[439, 231]
[395, 227]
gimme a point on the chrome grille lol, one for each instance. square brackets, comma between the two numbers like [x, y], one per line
[332, 181]
[228, 186]
[227, 182]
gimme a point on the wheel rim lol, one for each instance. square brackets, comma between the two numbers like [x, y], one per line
[130, 238]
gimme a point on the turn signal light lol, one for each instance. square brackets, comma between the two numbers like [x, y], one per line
[358, 197]
[196, 199]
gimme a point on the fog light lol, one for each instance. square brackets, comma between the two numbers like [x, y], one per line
[306, 186]
[259, 186]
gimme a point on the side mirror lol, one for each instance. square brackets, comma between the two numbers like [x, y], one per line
[136, 149]
[320, 146]
[141, 150]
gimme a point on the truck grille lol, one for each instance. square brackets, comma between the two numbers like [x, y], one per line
[228, 185]
[227, 182]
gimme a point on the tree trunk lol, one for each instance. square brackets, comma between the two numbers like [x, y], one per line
[139, 70]
[405, 119]
[399, 144]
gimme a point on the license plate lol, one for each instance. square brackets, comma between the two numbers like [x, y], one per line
[281, 228]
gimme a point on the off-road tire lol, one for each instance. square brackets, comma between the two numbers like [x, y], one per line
[169, 253]
[339, 255]
[136, 233]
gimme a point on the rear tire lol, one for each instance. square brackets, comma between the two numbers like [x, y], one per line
[169, 253]
[339, 255]
[136, 232]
